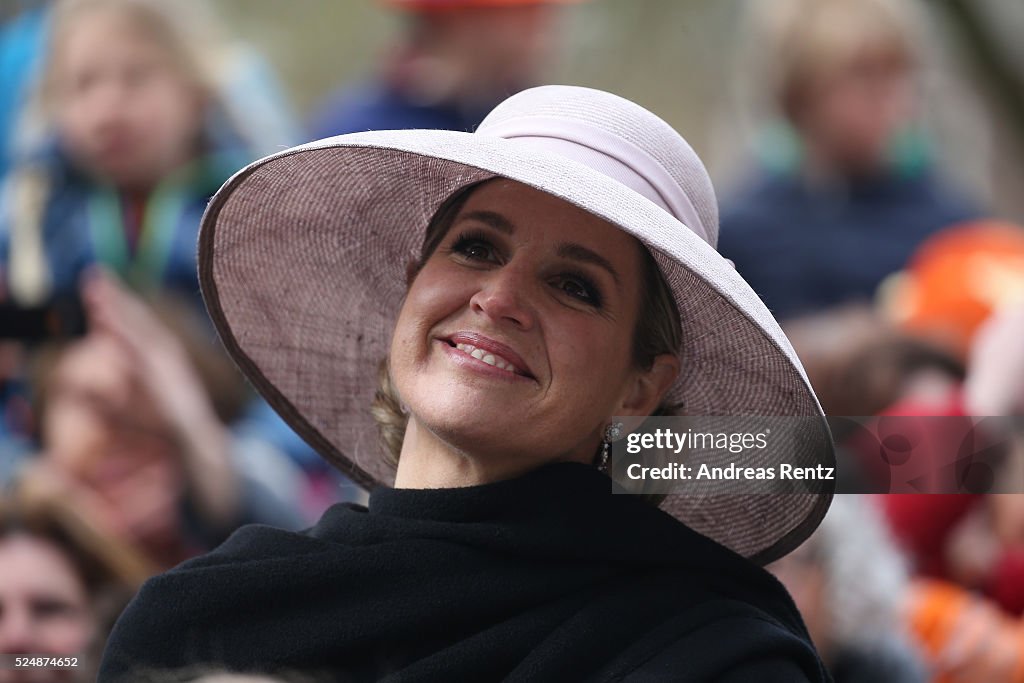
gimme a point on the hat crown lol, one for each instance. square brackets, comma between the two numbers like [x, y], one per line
[619, 138]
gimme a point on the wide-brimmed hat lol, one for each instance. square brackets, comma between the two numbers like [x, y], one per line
[303, 256]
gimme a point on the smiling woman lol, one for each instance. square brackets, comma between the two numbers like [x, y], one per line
[493, 303]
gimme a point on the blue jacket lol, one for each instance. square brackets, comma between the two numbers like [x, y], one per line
[82, 224]
[804, 249]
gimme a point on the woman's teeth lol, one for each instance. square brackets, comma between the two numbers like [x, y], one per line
[487, 357]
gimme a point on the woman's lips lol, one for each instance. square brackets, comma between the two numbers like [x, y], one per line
[489, 352]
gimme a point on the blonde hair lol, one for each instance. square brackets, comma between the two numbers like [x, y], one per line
[183, 29]
[792, 42]
[658, 329]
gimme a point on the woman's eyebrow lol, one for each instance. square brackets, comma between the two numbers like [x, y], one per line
[491, 219]
[578, 252]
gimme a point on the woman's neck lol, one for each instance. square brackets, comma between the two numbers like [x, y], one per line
[427, 462]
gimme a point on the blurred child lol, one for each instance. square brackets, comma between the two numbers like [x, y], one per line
[137, 149]
[847, 189]
[148, 112]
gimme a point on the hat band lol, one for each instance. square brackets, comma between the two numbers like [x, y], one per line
[606, 153]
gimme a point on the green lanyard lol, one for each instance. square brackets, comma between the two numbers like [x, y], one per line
[160, 219]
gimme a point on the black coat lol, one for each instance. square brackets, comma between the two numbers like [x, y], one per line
[547, 577]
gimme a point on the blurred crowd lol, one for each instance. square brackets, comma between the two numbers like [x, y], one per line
[129, 443]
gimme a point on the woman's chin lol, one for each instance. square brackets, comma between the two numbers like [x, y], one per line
[479, 424]
[471, 399]
[476, 428]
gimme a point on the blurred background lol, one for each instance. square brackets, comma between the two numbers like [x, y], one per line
[869, 162]
[683, 60]
[689, 52]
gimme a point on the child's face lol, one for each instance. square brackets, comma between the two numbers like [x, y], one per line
[125, 111]
[851, 114]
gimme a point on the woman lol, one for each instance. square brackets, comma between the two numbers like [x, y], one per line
[565, 277]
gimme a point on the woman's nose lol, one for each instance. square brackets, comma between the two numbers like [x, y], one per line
[506, 296]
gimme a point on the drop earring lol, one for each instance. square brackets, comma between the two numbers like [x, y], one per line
[611, 433]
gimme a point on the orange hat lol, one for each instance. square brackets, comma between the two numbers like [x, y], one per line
[955, 280]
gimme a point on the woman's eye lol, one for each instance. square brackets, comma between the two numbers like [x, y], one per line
[580, 289]
[475, 249]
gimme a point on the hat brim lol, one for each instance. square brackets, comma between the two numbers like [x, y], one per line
[302, 264]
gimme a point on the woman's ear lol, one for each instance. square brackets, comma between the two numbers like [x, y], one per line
[647, 387]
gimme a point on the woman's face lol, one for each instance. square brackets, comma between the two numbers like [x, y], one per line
[44, 608]
[515, 339]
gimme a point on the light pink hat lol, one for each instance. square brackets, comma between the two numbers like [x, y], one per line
[302, 262]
